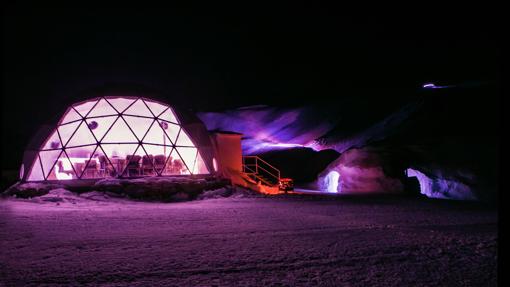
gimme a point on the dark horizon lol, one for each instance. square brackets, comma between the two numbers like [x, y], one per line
[214, 60]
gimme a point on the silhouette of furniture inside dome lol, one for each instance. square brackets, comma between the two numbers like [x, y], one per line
[159, 162]
[177, 167]
[133, 165]
[147, 165]
[91, 169]
[105, 168]
[118, 163]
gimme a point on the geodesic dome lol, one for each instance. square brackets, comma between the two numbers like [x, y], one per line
[112, 136]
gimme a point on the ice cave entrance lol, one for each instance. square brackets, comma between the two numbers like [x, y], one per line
[331, 181]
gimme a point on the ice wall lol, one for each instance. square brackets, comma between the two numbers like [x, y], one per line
[269, 128]
[437, 187]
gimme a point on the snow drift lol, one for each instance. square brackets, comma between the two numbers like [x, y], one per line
[164, 189]
[359, 171]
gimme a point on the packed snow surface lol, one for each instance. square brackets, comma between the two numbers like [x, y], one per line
[292, 240]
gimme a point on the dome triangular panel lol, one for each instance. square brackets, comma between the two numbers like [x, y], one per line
[67, 130]
[120, 133]
[82, 136]
[53, 142]
[171, 130]
[156, 135]
[173, 165]
[138, 109]
[156, 108]
[184, 140]
[48, 159]
[200, 167]
[79, 157]
[70, 116]
[100, 126]
[188, 155]
[120, 104]
[36, 171]
[84, 108]
[169, 116]
[63, 169]
[102, 108]
[139, 125]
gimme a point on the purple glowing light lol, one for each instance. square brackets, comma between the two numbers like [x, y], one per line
[268, 128]
[268, 146]
[435, 187]
[434, 86]
[429, 86]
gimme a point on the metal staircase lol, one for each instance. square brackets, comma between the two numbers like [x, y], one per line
[261, 171]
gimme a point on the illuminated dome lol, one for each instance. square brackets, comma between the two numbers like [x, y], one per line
[112, 136]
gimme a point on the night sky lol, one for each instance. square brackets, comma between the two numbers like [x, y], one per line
[212, 58]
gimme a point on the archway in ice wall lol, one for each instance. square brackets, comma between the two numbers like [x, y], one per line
[117, 137]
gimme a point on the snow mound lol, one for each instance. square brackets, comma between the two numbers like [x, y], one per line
[95, 195]
[59, 195]
[231, 192]
[30, 189]
[172, 189]
[215, 193]
[360, 170]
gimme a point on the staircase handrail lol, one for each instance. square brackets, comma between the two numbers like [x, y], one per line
[275, 172]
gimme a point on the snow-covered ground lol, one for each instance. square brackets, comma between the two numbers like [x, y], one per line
[291, 240]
